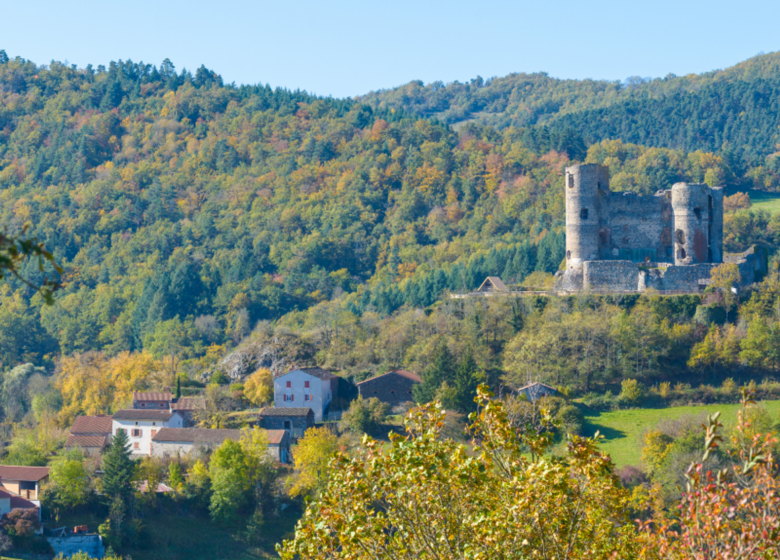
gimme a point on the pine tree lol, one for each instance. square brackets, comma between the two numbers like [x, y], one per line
[118, 469]
[467, 378]
[178, 387]
[441, 369]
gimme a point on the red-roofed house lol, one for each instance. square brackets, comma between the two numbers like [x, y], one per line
[394, 387]
[91, 434]
[153, 400]
[24, 482]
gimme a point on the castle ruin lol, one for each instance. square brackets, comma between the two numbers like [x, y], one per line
[619, 241]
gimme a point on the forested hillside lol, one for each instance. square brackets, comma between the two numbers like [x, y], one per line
[732, 112]
[186, 211]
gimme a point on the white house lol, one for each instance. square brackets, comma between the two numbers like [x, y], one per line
[313, 387]
[142, 425]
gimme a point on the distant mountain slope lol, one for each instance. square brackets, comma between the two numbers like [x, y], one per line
[737, 106]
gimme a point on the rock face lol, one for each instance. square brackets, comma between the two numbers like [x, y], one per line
[275, 351]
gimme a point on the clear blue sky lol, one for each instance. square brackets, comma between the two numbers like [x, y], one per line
[346, 48]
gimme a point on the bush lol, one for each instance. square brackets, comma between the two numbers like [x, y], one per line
[710, 314]
[571, 419]
[365, 415]
[631, 392]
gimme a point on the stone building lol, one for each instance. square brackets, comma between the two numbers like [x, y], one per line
[621, 241]
[393, 388]
[296, 420]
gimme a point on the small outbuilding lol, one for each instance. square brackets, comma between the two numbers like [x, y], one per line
[23, 481]
[295, 420]
[493, 284]
[393, 388]
[535, 391]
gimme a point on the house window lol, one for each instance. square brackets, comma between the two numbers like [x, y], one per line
[122, 430]
[143, 405]
[287, 425]
[154, 423]
[289, 398]
[306, 384]
[289, 384]
[136, 445]
[307, 397]
[136, 433]
[584, 213]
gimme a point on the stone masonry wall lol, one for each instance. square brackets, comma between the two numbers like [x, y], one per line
[391, 388]
[610, 275]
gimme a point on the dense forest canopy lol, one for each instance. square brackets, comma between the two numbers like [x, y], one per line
[186, 211]
[732, 112]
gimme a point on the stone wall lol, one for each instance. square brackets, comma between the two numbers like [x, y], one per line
[391, 388]
[73, 544]
[610, 275]
[299, 424]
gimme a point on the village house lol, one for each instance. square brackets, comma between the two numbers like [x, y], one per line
[493, 284]
[535, 391]
[10, 501]
[142, 425]
[394, 387]
[172, 442]
[24, 482]
[311, 387]
[91, 434]
[296, 420]
[164, 400]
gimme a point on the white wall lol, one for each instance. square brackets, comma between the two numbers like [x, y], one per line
[319, 392]
[143, 445]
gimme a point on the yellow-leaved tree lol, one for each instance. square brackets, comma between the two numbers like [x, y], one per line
[312, 461]
[93, 383]
[259, 387]
[427, 496]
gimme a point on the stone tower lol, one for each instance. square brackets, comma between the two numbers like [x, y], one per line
[697, 218]
[582, 186]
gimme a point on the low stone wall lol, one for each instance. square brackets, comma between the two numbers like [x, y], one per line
[73, 544]
[610, 275]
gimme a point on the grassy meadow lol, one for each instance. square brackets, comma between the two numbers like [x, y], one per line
[623, 429]
[761, 200]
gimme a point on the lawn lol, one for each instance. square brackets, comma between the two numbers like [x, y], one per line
[623, 429]
[761, 200]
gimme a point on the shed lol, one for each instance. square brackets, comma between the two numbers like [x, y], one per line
[535, 391]
[493, 284]
[394, 387]
[295, 420]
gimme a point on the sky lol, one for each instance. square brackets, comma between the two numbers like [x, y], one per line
[348, 48]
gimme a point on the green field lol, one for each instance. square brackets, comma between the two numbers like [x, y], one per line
[623, 429]
[761, 200]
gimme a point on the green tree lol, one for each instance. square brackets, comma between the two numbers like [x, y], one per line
[118, 469]
[365, 415]
[70, 481]
[441, 368]
[467, 378]
[230, 482]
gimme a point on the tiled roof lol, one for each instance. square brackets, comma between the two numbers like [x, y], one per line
[143, 487]
[195, 435]
[189, 403]
[139, 396]
[401, 372]
[284, 411]
[85, 441]
[17, 502]
[91, 425]
[28, 474]
[275, 437]
[133, 414]
[315, 371]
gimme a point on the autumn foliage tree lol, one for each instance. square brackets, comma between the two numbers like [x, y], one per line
[426, 497]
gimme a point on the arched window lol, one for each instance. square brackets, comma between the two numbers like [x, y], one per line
[679, 236]
[568, 255]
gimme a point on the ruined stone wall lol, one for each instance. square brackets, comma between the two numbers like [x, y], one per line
[675, 278]
[610, 275]
[635, 228]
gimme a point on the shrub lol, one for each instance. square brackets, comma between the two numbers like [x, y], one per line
[729, 386]
[571, 419]
[365, 415]
[664, 388]
[710, 314]
[631, 392]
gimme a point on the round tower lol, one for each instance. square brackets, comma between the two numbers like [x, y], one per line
[582, 184]
[692, 214]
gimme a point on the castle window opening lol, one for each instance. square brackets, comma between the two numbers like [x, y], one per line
[680, 236]
[680, 253]
[584, 213]
[697, 211]
[571, 181]
[568, 255]
[604, 237]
